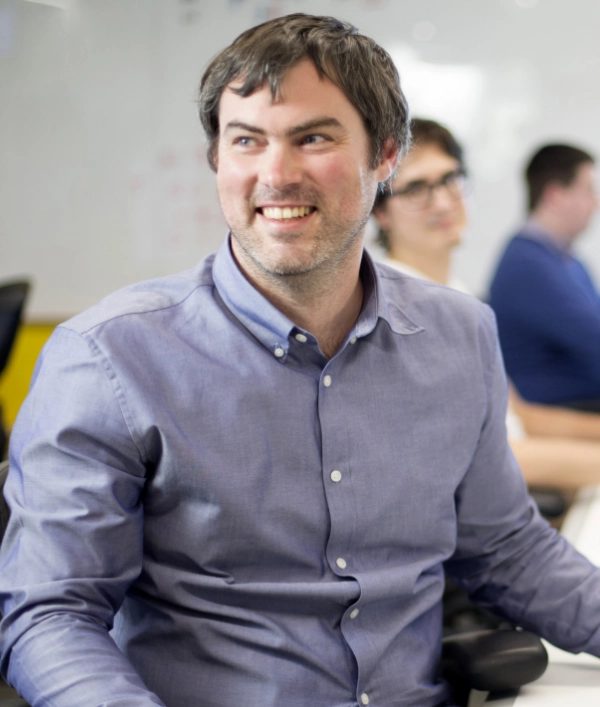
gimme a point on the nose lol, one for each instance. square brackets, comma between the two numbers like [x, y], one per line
[279, 166]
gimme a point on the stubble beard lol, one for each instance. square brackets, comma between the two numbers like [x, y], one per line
[311, 273]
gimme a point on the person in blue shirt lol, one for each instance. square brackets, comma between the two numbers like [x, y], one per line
[546, 304]
[240, 485]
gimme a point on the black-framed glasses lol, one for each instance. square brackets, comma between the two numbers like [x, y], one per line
[419, 194]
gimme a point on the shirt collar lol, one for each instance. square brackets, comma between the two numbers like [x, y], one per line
[262, 319]
[273, 329]
[534, 230]
[378, 305]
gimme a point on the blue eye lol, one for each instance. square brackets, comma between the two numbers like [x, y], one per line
[313, 139]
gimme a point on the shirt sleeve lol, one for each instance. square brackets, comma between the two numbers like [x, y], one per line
[507, 557]
[74, 541]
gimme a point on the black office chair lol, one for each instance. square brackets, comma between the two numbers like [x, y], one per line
[13, 296]
[491, 661]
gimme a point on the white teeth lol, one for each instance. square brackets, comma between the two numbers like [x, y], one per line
[275, 212]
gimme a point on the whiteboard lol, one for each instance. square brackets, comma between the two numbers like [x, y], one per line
[103, 178]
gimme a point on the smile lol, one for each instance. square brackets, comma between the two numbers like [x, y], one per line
[286, 213]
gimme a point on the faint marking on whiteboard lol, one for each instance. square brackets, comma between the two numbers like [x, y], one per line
[174, 206]
[486, 105]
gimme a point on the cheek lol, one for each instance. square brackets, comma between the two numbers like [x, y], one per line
[350, 179]
[233, 178]
[413, 230]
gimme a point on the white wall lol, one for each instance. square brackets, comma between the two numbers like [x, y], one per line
[103, 179]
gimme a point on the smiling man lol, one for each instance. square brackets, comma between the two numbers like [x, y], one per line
[239, 485]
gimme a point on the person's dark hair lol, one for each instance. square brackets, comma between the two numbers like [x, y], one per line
[356, 64]
[553, 163]
[424, 132]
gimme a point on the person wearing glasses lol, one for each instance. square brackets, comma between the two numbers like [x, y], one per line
[421, 220]
[423, 217]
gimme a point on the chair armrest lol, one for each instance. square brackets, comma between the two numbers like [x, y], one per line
[551, 503]
[493, 661]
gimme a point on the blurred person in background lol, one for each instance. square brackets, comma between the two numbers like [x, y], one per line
[546, 304]
[422, 220]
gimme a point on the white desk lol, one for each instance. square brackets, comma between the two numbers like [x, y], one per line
[569, 678]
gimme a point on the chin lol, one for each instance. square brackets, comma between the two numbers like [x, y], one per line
[450, 237]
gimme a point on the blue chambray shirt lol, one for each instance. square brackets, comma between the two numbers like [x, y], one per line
[258, 525]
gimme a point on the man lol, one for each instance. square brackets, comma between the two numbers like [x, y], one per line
[254, 471]
[547, 306]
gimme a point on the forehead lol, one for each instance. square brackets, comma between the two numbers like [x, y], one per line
[426, 162]
[304, 96]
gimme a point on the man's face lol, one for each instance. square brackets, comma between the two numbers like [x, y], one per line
[578, 201]
[293, 176]
[432, 229]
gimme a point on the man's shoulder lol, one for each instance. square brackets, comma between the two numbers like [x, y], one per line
[532, 248]
[526, 257]
[164, 294]
[427, 303]
[396, 282]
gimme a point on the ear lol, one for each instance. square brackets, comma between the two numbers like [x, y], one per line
[388, 161]
[552, 191]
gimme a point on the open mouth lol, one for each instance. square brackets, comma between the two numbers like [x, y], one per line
[286, 213]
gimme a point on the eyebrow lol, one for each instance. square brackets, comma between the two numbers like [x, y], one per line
[302, 128]
[418, 182]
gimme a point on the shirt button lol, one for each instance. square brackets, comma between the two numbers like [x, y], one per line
[279, 352]
[327, 381]
[341, 563]
[353, 340]
[354, 613]
[301, 338]
[336, 475]
[364, 698]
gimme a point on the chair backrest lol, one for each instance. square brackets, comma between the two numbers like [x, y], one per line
[4, 509]
[12, 301]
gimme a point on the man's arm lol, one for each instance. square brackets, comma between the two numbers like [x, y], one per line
[507, 556]
[74, 542]
[558, 462]
[550, 421]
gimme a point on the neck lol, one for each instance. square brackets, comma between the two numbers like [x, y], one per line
[435, 266]
[325, 301]
[552, 223]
